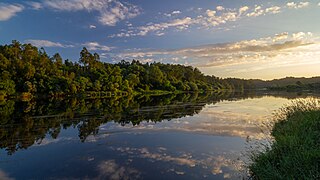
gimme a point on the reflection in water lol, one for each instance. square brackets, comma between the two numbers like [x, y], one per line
[111, 170]
[124, 138]
[24, 123]
[4, 176]
[215, 163]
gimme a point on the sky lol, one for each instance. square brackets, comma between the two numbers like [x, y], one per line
[226, 38]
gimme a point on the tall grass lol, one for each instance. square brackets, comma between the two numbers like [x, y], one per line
[295, 150]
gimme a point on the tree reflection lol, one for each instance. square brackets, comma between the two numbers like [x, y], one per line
[23, 124]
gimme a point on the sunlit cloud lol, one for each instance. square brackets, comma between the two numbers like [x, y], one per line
[110, 11]
[35, 5]
[278, 42]
[144, 30]
[208, 18]
[301, 35]
[280, 37]
[258, 11]
[220, 8]
[47, 43]
[273, 10]
[243, 9]
[283, 50]
[96, 46]
[297, 5]
[171, 14]
[7, 11]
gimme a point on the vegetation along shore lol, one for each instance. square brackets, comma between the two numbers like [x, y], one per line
[295, 151]
[27, 71]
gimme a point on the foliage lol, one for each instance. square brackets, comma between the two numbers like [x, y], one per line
[25, 68]
[289, 83]
[295, 152]
[298, 86]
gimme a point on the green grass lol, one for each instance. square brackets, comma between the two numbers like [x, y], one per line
[295, 151]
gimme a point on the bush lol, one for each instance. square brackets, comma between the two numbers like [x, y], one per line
[295, 152]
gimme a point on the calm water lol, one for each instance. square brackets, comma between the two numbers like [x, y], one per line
[188, 136]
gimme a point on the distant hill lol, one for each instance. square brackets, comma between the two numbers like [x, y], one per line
[284, 82]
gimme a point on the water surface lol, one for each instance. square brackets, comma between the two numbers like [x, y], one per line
[185, 136]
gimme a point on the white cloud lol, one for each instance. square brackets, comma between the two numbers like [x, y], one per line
[176, 12]
[220, 8]
[96, 46]
[301, 35]
[280, 37]
[243, 9]
[117, 13]
[297, 5]
[160, 33]
[46, 43]
[158, 28]
[110, 11]
[258, 11]
[35, 5]
[72, 5]
[245, 52]
[207, 19]
[92, 26]
[7, 11]
[211, 13]
[273, 10]
[291, 4]
[177, 23]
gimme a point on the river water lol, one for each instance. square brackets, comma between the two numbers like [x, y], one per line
[185, 136]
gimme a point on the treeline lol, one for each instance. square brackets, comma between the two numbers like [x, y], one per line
[298, 86]
[289, 83]
[26, 69]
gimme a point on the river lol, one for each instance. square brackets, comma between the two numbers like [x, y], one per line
[184, 136]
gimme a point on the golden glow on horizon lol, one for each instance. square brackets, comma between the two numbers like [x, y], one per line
[276, 56]
[301, 61]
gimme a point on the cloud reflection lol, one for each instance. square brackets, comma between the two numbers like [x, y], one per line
[111, 170]
[4, 176]
[241, 118]
[212, 164]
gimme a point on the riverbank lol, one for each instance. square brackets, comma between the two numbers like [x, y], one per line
[26, 96]
[295, 152]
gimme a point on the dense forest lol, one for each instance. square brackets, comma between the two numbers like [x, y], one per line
[27, 70]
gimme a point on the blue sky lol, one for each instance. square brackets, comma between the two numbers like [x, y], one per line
[227, 38]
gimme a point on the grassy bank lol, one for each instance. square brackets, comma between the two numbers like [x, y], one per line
[295, 152]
